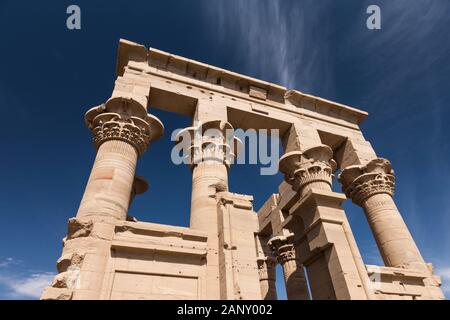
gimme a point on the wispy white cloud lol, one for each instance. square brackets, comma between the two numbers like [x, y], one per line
[405, 33]
[401, 80]
[6, 262]
[30, 286]
[275, 40]
[298, 44]
[22, 285]
[444, 273]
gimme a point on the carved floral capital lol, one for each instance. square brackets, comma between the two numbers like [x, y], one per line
[363, 181]
[301, 168]
[283, 248]
[209, 141]
[123, 120]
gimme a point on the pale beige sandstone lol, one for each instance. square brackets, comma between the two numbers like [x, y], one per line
[267, 276]
[238, 268]
[228, 250]
[371, 186]
[210, 162]
[326, 243]
[208, 178]
[266, 264]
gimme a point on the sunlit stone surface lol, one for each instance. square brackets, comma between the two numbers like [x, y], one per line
[230, 251]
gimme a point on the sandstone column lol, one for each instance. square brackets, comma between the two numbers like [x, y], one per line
[294, 275]
[371, 186]
[327, 248]
[122, 131]
[120, 137]
[209, 156]
[267, 278]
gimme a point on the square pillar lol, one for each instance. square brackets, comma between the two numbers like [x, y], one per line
[325, 245]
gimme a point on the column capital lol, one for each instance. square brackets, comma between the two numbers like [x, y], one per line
[283, 248]
[122, 119]
[301, 168]
[360, 182]
[266, 268]
[212, 141]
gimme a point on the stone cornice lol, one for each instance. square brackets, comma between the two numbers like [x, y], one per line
[129, 51]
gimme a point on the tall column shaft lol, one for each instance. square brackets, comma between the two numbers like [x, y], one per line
[122, 131]
[209, 157]
[295, 281]
[207, 179]
[394, 240]
[372, 186]
[106, 198]
[108, 191]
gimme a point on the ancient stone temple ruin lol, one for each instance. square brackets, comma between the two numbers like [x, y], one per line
[230, 251]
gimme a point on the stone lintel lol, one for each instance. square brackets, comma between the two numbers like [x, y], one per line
[296, 98]
[165, 60]
[254, 88]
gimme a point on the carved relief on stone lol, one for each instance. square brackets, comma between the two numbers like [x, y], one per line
[209, 141]
[363, 181]
[283, 248]
[115, 120]
[301, 168]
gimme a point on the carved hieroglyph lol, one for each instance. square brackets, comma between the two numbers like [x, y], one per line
[229, 251]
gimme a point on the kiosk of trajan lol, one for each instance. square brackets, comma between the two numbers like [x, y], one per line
[230, 251]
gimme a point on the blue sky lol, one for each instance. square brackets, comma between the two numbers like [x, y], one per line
[50, 76]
